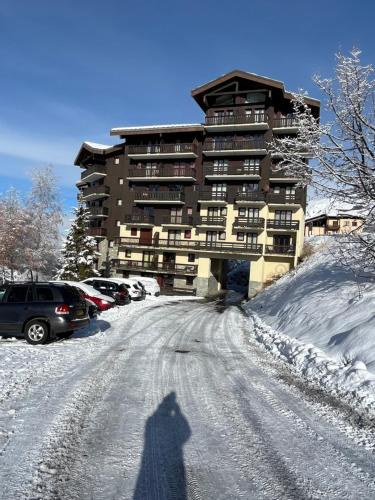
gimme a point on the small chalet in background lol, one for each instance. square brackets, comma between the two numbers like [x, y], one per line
[326, 218]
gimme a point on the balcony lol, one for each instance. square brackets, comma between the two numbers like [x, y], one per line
[160, 197]
[288, 225]
[281, 175]
[286, 125]
[332, 227]
[289, 250]
[95, 192]
[235, 148]
[178, 221]
[208, 196]
[249, 223]
[159, 174]
[284, 199]
[159, 151]
[97, 232]
[92, 174]
[231, 172]
[211, 221]
[250, 197]
[195, 245]
[223, 123]
[98, 212]
[157, 267]
[139, 220]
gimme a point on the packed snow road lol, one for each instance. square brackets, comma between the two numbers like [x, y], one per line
[171, 399]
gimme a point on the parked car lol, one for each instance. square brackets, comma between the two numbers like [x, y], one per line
[151, 285]
[112, 288]
[92, 308]
[41, 311]
[102, 301]
[135, 291]
[140, 285]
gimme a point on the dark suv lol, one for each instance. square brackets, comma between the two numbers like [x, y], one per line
[41, 311]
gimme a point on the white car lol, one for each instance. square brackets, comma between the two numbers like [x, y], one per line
[151, 285]
[134, 289]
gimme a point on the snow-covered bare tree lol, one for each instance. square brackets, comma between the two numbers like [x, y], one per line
[342, 148]
[79, 251]
[44, 218]
[13, 231]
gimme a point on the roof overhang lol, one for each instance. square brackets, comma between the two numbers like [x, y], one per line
[91, 148]
[199, 92]
[157, 129]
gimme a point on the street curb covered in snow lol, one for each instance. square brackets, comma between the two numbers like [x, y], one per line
[352, 382]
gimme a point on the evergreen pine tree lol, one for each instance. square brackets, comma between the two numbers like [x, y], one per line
[79, 249]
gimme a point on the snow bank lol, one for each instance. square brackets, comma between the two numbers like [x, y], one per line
[319, 319]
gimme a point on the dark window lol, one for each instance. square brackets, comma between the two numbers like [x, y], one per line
[240, 236]
[128, 254]
[133, 231]
[191, 257]
[70, 293]
[44, 294]
[18, 294]
[354, 223]
[189, 280]
[222, 235]
[188, 233]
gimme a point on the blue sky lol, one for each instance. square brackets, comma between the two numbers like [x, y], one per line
[71, 70]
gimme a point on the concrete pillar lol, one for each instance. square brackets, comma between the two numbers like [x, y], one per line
[256, 276]
[205, 283]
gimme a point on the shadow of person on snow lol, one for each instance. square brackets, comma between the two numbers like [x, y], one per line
[162, 473]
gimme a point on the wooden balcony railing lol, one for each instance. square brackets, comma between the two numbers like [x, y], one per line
[161, 172]
[170, 267]
[185, 220]
[98, 211]
[92, 191]
[207, 195]
[210, 221]
[282, 224]
[233, 145]
[96, 169]
[97, 231]
[154, 149]
[281, 249]
[236, 119]
[284, 198]
[210, 246]
[231, 170]
[248, 222]
[286, 122]
[139, 219]
[159, 196]
[251, 196]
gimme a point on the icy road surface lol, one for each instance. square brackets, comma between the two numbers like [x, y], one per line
[170, 399]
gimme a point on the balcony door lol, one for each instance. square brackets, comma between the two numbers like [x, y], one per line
[148, 259]
[152, 169]
[169, 261]
[283, 215]
[251, 239]
[249, 213]
[211, 237]
[145, 236]
[281, 242]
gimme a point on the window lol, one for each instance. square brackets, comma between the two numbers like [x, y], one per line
[354, 223]
[189, 210]
[251, 162]
[251, 238]
[219, 187]
[346, 223]
[222, 235]
[276, 189]
[187, 234]
[121, 180]
[119, 203]
[191, 257]
[117, 161]
[128, 254]
[223, 211]
[18, 294]
[240, 236]
[249, 187]
[283, 215]
[220, 163]
[174, 234]
[133, 231]
[118, 223]
[189, 280]
[111, 244]
[255, 97]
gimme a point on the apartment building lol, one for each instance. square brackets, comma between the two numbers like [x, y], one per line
[177, 201]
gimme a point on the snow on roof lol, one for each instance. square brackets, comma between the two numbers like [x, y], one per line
[326, 206]
[147, 127]
[94, 145]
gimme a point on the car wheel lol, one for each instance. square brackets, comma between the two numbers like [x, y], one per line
[66, 335]
[36, 332]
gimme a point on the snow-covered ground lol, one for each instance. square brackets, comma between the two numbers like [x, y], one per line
[322, 321]
[171, 398]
